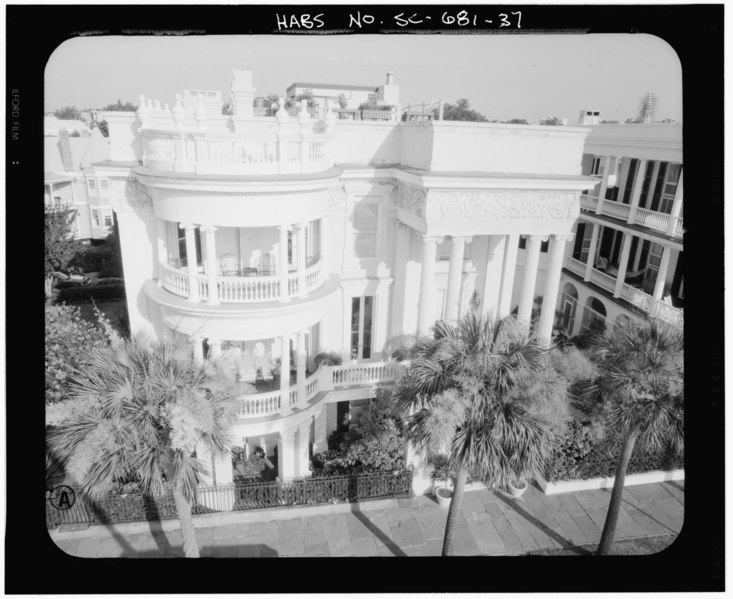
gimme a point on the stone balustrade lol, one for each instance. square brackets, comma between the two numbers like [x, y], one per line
[242, 290]
[326, 378]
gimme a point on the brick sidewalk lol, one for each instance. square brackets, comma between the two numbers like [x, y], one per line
[490, 524]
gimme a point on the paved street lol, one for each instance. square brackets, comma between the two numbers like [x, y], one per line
[490, 524]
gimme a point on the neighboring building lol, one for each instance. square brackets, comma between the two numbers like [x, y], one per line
[269, 240]
[70, 183]
[326, 94]
[627, 257]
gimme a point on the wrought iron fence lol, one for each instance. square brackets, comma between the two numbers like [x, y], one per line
[307, 491]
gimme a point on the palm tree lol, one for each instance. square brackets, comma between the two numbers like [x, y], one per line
[138, 412]
[468, 394]
[639, 390]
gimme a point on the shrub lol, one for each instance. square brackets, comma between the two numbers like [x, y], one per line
[70, 342]
[579, 455]
[92, 292]
[248, 469]
[377, 445]
[328, 359]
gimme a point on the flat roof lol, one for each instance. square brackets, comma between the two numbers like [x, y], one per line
[366, 88]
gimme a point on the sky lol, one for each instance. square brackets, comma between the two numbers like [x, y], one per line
[503, 77]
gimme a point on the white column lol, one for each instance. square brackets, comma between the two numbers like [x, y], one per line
[662, 273]
[399, 273]
[286, 453]
[529, 278]
[455, 274]
[623, 264]
[676, 207]
[220, 471]
[607, 160]
[214, 348]
[283, 263]
[284, 372]
[636, 190]
[322, 240]
[492, 276]
[427, 285]
[162, 248]
[300, 365]
[198, 348]
[552, 286]
[590, 263]
[301, 259]
[621, 180]
[647, 203]
[508, 272]
[193, 286]
[320, 442]
[213, 291]
[302, 444]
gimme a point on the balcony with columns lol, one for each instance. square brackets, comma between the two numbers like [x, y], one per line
[241, 265]
[499, 279]
[623, 281]
[649, 194]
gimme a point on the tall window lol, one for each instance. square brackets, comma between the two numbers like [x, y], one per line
[568, 308]
[365, 230]
[95, 217]
[103, 187]
[361, 327]
[652, 267]
[596, 166]
[183, 258]
[629, 186]
[670, 187]
[92, 186]
[108, 219]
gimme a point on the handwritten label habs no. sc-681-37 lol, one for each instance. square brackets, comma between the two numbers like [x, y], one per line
[359, 20]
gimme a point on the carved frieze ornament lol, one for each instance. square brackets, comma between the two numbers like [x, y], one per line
[410, 198]
[468, 204]
[336, 195]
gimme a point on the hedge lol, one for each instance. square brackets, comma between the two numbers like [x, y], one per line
[579, 456]
[96, 292]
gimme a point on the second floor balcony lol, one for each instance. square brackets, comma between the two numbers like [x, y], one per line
[660, 222]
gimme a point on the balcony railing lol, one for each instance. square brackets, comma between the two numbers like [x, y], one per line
[365, 373]
[603, 280]
[616, 209]
[242, 290]
[637, 297]
[326, 378]
[207, 153]
[588, 202]
[575, 266]
[667, 313]
[659, 221]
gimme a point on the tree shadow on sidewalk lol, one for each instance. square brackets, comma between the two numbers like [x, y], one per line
[389, 543]
[514, 505]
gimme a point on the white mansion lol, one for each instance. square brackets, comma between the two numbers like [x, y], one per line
[268, 240]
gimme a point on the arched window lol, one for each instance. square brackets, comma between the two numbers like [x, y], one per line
[568, 308]
[594, 310]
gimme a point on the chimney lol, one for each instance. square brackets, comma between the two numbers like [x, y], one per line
[243, 94]
[589, 117]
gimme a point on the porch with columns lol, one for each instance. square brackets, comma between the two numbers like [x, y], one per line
[241, 264]
[499, 279]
